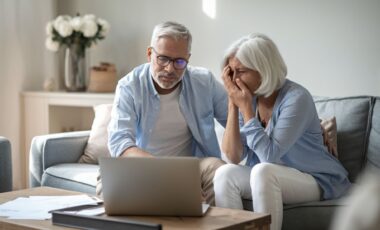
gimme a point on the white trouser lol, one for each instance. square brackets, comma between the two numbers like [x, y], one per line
[268, 185]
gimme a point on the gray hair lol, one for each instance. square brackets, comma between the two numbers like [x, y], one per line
[173, 30]
[258, 52]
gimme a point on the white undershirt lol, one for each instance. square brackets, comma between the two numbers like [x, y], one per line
[170, 136]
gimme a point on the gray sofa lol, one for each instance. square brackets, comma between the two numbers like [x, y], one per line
[5, 165]
[53, 157]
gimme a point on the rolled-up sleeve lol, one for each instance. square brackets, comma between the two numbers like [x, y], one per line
[122, 127]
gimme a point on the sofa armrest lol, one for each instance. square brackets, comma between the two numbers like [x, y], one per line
[53, 149]
[5, 165]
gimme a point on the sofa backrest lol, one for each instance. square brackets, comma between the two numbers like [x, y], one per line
[353, 118]
[373, 155]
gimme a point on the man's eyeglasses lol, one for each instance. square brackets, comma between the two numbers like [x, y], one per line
[178, 63]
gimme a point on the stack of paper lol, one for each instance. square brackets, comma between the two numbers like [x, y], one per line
[38, 207]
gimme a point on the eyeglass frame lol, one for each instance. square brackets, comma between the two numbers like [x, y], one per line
[168, 60]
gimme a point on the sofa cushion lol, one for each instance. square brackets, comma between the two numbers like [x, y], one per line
[247, 204]
[373, 155]
[352, 118]
[311, 215]
[76, 176]
[5, 165]
[97, 142]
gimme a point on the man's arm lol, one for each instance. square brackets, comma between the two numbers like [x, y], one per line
[135, 152]
[220, 101]
[123, 123]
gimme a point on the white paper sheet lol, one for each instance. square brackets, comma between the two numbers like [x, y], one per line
[38, 207]
[89, 211]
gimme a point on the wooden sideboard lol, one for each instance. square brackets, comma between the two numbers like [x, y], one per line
[55, 112]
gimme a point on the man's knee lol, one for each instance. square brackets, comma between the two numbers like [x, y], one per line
[210, 164]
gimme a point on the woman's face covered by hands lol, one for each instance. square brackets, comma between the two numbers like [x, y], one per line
[236, 71]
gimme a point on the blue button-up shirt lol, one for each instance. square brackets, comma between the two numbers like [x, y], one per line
[137, 104]
[294, 138]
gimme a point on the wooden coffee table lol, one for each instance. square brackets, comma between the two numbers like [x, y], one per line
[216, 218]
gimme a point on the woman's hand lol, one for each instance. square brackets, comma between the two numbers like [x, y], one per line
[238, 93]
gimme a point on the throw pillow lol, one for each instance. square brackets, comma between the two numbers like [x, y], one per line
[97, 142]
[329, 129]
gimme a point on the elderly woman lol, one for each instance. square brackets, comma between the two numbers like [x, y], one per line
[273, 124]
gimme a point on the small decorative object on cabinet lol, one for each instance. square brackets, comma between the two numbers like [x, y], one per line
[49, 84]
[102, 78]
[75, 34]
[75, 68]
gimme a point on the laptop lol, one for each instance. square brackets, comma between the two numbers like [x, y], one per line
[161, 186]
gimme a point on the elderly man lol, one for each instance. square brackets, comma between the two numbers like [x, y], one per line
[167, 108]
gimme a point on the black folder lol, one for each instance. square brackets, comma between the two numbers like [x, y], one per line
[65, 217]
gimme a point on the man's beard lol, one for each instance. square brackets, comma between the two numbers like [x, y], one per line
[162, 76]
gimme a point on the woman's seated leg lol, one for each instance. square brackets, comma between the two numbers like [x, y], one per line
[231, 184]
[272, 185]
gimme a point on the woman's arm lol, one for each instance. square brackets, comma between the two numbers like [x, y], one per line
[294, 117]
[237, 97]
[231, 144]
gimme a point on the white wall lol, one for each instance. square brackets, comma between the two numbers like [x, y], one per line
[331, 46]
[24, 64]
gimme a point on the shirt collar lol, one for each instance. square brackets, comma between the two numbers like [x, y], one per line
[152, 89]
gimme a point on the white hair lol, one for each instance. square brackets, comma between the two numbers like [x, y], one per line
[173, 30]
[258, 52]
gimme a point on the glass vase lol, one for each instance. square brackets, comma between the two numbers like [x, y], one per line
[75, 68]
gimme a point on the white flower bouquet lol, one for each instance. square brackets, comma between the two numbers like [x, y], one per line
[84, 31]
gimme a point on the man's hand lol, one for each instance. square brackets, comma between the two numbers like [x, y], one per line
[203, 196]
